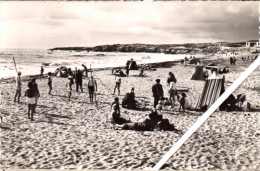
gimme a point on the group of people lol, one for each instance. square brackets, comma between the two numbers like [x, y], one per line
[78, 79]
[154, 120]
[32, 94]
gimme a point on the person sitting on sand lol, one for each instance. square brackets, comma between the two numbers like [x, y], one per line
[69, 86]
[157, 91]
[31, 95]
[117, 86]
[92, 88]
[129, 101]
[18, 87]
[49, 82]
[116, 118]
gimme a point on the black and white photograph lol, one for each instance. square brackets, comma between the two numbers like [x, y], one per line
[114, 85]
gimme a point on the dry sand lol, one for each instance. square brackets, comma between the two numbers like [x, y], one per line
[78, 134]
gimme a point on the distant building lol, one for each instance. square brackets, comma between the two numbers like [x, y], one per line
[253, 43]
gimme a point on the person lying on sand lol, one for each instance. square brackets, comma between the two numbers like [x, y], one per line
[116, 118]
[154, 121]
[18, 88]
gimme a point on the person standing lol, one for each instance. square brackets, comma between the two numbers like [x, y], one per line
[69, 85]
[157, 91]
[42, 70]
[18, 87]
[78, 80]
[172, 93]
[35, 90]
[92, 88]
[31, 95]
[117, 86]
[49, 82]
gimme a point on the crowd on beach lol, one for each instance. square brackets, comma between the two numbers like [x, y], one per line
[154, 120]
[76, 77]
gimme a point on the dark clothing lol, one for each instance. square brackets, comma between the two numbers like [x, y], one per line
[129, 101]
[171, 78]
[157, 90]
[78, 80]
[34, 89]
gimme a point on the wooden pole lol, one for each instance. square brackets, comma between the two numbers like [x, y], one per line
[15, 65]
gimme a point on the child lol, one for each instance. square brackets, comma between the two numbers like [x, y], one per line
[182, 102]
[49, 82]
[31, 100]
[160, 104]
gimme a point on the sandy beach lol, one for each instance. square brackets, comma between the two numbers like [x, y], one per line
[78, 134]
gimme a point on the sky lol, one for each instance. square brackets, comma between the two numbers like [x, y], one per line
[55, 24]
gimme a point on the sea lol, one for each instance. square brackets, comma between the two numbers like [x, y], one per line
[29, 61]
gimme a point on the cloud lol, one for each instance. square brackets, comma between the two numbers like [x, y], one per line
[45, 25]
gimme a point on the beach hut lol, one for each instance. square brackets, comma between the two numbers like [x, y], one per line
[213, 88]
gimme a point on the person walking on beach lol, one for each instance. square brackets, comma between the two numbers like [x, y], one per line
[49, 82]
[92, 88]
[117, 86]
[36, 91]
[31, 95]
[78, 80]
[18, 87]
[157, 91]
[42, 70]
[69, 85]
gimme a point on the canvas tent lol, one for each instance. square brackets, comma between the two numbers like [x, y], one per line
[213, 88]
[199, 73]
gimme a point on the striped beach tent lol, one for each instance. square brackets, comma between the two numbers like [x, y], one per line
[213, 88]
